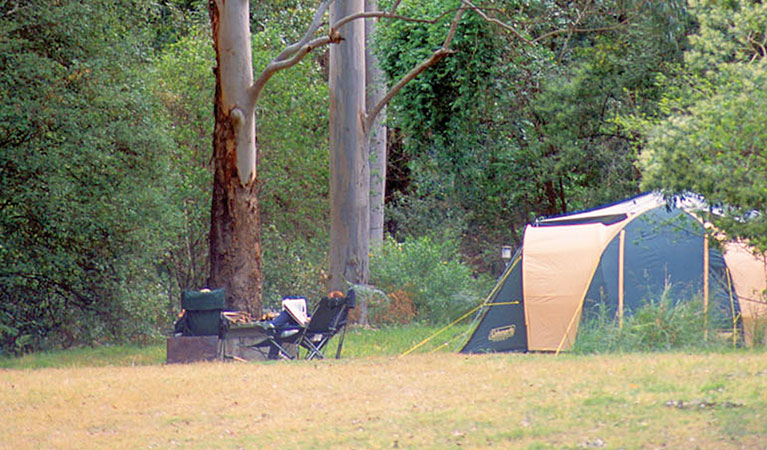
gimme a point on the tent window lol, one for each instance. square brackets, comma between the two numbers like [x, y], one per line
[604, 220]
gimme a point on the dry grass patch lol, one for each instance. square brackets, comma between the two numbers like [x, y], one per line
[442, 400]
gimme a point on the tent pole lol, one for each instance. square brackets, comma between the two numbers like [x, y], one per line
[705, 286]
[621, 254]
[732, 308]
[569, 326]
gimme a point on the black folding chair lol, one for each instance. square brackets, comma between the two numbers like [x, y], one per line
[330, 318]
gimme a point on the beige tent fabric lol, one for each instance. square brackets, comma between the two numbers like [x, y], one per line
[749, 275]
[558, 265]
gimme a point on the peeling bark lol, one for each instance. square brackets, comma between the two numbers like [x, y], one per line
[235, 232]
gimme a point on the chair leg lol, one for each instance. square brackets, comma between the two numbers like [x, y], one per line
[340, 342]
[281, 351]
[313, 351]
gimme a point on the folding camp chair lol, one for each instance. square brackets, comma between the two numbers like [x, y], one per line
[328, 319]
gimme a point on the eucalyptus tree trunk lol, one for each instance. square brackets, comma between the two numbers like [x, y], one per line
[349, 167]
[375, 92]
[350, 126]
[235, 232]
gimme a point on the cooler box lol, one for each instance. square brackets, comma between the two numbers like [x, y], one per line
[203, 311]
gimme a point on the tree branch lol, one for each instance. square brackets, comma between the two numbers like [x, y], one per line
[532, 41]
[495, 21]
[62, 288]
[387, 15]
[315, 25]
[570, 34]
[16, 8]
[395, 6]
[277, 65]
[415, 71]
[757, 46]
[294, 53]
[617, 26]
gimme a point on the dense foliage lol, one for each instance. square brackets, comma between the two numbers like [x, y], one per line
[712, 137]
[85, 176]
[426, 281]
[508, 129]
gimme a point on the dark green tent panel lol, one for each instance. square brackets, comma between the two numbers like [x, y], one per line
[502, 327]
[663, 251]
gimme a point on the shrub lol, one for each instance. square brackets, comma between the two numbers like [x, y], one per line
[291, 267]
[424, 279]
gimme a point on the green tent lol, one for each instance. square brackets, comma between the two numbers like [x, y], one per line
[620, 256]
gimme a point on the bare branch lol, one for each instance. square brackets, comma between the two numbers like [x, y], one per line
[15, 9]
[501, 24]
[758, 47]
[395, 6]
[277, 65]
[570, 33]
[294, 53]
[415, 71]
[303, 51]
[617, 26]
[529, 41]
[453, 27]
[315, 25]
[387, 15]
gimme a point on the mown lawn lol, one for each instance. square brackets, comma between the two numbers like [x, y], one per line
[359, 342]
[435, 400]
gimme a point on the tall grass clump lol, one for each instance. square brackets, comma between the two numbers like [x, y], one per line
[424, 280]
[759, 330]
[660, 324]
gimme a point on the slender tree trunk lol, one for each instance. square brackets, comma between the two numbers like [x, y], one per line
[235, 232]
[375, 91]
[349, 167]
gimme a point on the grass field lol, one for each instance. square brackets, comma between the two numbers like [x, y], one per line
[359, 342]
[128, 399]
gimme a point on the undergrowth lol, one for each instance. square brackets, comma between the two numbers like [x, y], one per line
[424, 280]
[658, 325]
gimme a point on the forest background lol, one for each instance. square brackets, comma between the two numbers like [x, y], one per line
[546, 107]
